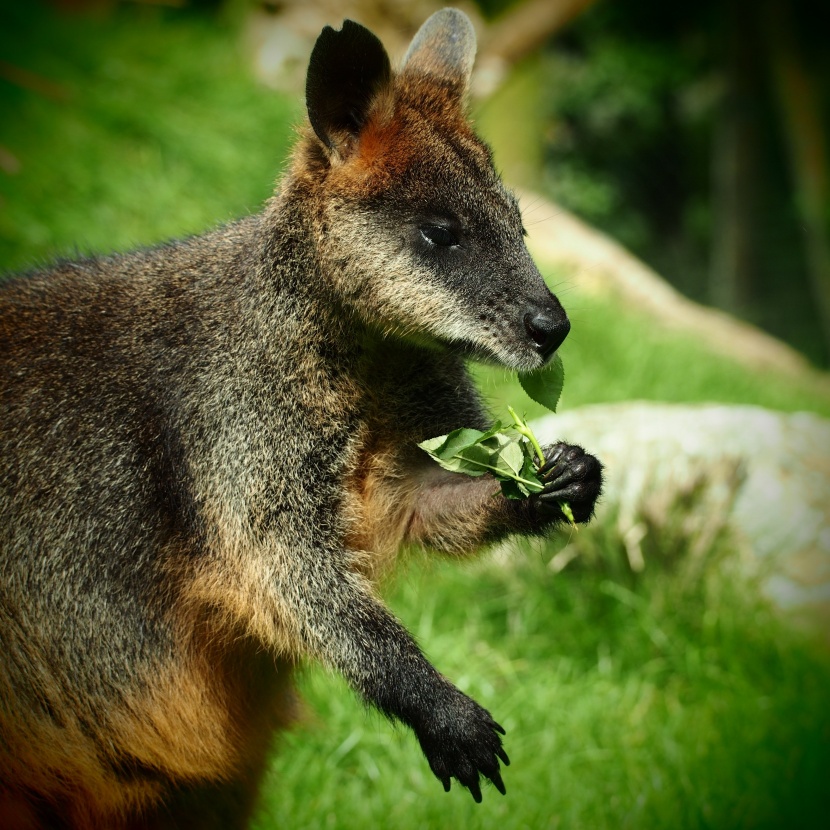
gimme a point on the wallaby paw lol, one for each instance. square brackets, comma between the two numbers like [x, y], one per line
[569, 475]
[462, 741]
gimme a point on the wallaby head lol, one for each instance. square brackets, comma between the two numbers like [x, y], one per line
[415, 231]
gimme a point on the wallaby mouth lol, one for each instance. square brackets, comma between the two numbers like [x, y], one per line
[521, 338]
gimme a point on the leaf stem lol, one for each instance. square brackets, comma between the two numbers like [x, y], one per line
[523, 429]
[518, 478]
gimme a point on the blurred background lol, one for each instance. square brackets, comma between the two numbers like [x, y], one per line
[668, 668]
[696, 135]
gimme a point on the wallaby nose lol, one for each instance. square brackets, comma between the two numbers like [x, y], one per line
[546, 331]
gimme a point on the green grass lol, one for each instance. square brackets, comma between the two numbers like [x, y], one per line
[668, 703]
[676, 699]
[156, 130]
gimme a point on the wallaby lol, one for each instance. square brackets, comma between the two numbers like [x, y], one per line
[209, 454]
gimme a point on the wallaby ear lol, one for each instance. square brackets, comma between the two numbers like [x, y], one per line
[346, 70]
[445, 47]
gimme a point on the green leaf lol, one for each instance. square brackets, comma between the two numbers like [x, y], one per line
[528, 472]
[447, 446]
[545, 385]
[509, 460]
[511, 489]
[457, 464]
[444, 450]
[495, 442]
[458, 440]
[496, 429]
[478, 455]
[432, 445]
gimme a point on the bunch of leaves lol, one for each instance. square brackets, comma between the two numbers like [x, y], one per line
[509, 452]
[502, 451]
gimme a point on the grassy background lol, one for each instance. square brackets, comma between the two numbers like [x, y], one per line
[675, 699]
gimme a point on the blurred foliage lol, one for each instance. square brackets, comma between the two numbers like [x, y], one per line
[129, 128]
[493, 8]
[612, 111]
[634, 94]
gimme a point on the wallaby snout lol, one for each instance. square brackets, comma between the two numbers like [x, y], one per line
[518, 322]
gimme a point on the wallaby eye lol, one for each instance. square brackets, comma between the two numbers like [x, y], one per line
[439, 235]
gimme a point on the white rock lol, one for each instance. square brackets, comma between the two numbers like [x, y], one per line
[763, 475]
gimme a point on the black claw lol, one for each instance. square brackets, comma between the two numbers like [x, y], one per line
[556, 495]
[553, 473]
[567, 476]
[466, 756]
[498, 783]
[551, 462]
[548, 467]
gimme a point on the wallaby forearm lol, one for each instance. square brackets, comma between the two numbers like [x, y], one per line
[329, 610]
[456, 514]
[459, 737]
